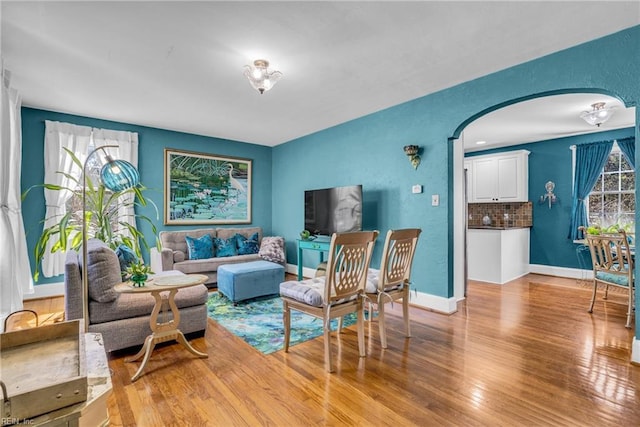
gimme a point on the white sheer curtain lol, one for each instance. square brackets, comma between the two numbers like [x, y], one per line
[80, 140]
[127, 143]
[57, 137]
[15, 272]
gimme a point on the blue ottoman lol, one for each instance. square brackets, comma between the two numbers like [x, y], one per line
[250, 279]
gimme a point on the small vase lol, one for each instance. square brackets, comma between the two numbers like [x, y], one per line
[139, 279]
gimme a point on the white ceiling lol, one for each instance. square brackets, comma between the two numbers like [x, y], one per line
[178, 65]
[541, 119]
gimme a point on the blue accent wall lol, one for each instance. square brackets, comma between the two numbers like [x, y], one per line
[368, 150]
[551, 160]
[152, 143]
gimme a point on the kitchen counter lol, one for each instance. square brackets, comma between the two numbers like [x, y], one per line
[497, 254]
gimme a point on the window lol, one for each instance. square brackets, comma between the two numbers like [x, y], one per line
[74, 203]
[612, 200]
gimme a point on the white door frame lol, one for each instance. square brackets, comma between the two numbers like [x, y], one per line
[459, 223]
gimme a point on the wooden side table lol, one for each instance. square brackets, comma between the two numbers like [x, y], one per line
[163, 289]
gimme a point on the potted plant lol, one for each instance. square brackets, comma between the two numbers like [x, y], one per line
[101, 218]
[138, 273]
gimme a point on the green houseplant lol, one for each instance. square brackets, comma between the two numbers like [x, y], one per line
[101, 218]
[138, 273]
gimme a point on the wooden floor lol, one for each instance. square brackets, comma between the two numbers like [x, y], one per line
[526, 353]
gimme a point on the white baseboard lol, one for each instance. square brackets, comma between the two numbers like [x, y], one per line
[550, 270]
[433, 302]
[635, 351]
[306, 271]
[46, 291]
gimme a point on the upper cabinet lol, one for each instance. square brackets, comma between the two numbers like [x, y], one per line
[502, 177]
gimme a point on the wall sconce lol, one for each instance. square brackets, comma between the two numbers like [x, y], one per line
[550, 197]
[412, 152]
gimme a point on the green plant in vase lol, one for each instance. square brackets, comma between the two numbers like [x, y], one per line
[139, 273]
[103, 219]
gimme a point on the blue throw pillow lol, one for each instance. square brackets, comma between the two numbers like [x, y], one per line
[201, 247]
[126, 256]
[247, 246]
[226, 247]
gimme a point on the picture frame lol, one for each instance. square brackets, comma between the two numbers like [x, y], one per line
[202, 188]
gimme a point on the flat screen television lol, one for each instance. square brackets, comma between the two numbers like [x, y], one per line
[333, 210]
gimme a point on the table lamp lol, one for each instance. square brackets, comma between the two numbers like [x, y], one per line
[115, 175]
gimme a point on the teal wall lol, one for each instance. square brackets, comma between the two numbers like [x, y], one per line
[551, 161]
[368, 150]
[152, 143]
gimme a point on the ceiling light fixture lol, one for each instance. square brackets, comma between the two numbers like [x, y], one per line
[598, 115]
[259, 76]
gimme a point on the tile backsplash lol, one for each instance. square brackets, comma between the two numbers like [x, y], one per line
[502, 214]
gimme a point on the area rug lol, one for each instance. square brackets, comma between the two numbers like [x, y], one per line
[259, 322]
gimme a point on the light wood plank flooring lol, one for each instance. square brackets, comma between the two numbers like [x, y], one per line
[522, 354]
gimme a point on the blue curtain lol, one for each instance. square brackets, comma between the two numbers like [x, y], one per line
[590, 159]
[628, 148]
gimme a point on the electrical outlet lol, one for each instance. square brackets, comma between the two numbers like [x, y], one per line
[435, 200]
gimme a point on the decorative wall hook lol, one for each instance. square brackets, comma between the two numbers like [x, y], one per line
[412, 152]
[550, 197]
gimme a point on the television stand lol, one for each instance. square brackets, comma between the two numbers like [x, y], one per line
[320, 244]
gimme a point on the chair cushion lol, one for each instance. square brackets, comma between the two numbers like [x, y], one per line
[272, 249]
[200, 247]
[309, 291]
[247, 245]
[226, 247]
[103, 271]
[618, 279]
[373, 277]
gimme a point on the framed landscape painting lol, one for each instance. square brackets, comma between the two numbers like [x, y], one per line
[202, 188]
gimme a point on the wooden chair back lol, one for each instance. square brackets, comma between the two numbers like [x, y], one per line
[348, 263]
[611, 253]
[397, 257]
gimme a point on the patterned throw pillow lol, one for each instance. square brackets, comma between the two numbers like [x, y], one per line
[247, 246]
[200, 248]
[226, 247]
[126, 256]
[272, 249]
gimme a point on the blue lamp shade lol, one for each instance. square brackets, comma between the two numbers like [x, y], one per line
[119, 175]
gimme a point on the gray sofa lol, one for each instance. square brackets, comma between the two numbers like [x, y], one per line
[122, 318]
[175, 256]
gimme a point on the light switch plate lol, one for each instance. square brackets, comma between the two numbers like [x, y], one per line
[435, 200]
[416, 189]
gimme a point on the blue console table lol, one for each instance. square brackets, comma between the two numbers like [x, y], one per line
[320, 244]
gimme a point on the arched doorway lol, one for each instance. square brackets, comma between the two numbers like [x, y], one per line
[549, 116]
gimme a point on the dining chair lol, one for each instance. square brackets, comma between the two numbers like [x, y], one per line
[613, 260]
[339, 292]
[392, 282]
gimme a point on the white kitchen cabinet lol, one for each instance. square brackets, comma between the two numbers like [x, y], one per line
[497, 255]
[502, 177]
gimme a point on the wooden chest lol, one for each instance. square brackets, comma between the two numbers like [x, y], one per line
[42, 369]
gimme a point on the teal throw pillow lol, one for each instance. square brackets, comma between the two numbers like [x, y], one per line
[226, 247]
[126, 256]
[201, 247]
[247, 246]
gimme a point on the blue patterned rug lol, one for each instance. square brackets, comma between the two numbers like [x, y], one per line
[259, 322]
